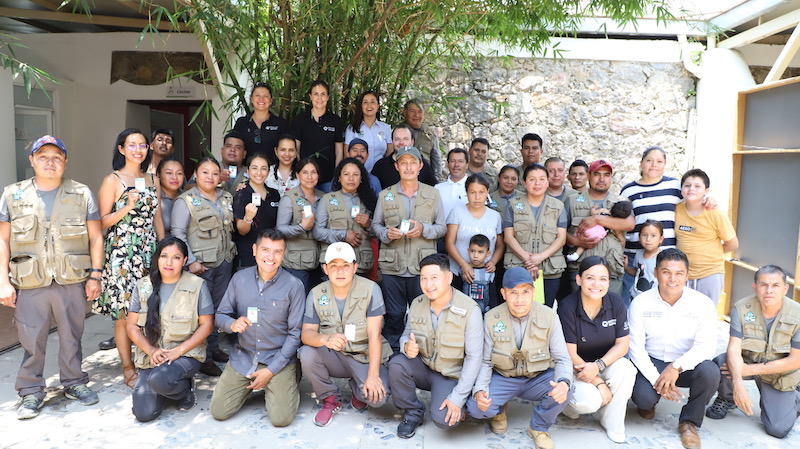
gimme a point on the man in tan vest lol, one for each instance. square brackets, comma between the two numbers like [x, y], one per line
[441, 350]
[425, 139]
[524, 355]
[765, 347]
[342, 336]
[51, 257]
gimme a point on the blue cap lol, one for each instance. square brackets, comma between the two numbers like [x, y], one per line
[358, 141]
[515, 276]
[48, 140]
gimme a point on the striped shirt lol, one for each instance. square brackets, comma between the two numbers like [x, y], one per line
[653, 202]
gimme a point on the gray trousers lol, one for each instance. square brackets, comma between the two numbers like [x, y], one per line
[779, 409]
[167, 381]
[217, 280]
[406, 375]
[321, 364]
[67, 305]
[710, 286]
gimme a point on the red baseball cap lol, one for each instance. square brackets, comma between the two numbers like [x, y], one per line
[598, 164]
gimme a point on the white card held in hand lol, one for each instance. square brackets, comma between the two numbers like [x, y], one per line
[354, 211]
[256, 199]
[350, 332]
[405, 226]
[307, 211]
[140, 184]
[233, 171]
[252, 314]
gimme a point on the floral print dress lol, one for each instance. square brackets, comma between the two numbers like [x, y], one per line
[129, 246]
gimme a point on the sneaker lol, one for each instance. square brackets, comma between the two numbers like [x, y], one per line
[190, 400]
[209, 368]
[29, 407]
[219, 356]
[358, 404]
[720, 408]
[82, 393]
[407, 428]
[105, 345]
[499, 423]
[330, 406]
[541, 440]
[572, 257]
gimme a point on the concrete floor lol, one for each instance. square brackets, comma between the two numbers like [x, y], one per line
[66, 424]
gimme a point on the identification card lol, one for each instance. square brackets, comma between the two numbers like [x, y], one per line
[350, 331]
[307, 211]
[252, 314]
[140, 184]
[256, 199]
[405, 226]
[233, 171]
[354, 211]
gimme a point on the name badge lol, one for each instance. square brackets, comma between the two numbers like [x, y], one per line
[256, 199]
[233, 171]
[405, 226]
[252, 314]
[458, 310]
[354, 211]
[307, 211]
[139, 184]
[350, 331]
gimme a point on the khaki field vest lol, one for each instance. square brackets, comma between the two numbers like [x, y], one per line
[442, 350]
[40, 250]
[179, 319]
[405, 253]
[756, 348]
[534, 355]
[355, 312]
[340, 218]
[302, 252]
[210, 237]
[580, 206]
[536, 236]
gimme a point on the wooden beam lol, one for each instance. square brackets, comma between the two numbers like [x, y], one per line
[46, 4]
[755, 34]
[41, 25]
[788, 52]
[69, 17]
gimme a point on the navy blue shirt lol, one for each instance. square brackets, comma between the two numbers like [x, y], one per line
[262, 140]
[319, 139]
[265, 218]
[593, 337]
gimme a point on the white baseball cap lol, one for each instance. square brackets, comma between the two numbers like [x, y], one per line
[340, 250]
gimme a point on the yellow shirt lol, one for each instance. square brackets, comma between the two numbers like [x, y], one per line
[701, 239]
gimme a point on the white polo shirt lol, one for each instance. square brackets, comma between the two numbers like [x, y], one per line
[685, 332]
[453, 193]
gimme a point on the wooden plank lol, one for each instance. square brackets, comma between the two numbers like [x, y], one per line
[797, 270]
[787, 53]
[759, 32]
[754, 268]
[757, 150]
[69, 17]
[766, 86]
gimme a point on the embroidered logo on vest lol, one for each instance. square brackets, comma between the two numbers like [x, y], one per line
[519, 206]
[389, 196]
[18, 195]
[196, 202]
[499, 327]
[324, 300]
[334, 201]
[750, 317]
[300, 202]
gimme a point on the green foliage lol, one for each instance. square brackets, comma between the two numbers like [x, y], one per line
[31, 76]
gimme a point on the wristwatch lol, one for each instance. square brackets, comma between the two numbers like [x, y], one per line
[677, 366]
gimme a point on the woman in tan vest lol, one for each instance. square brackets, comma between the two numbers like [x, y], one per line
[170, 316]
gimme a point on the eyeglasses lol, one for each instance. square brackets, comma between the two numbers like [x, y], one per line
[133, 146]
[257, 138]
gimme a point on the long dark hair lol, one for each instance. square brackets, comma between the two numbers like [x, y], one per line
[365, 193]
[118, 161]
[295, 168]
[152, 326]
[358, 115]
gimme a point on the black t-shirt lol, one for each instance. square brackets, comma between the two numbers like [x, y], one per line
[265, 218]
[319, 139]
[593, 337]
[269, 133]
[387, 174]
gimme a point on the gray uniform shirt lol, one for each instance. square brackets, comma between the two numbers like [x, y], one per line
[205, 306]
[181, 218]
[285, 215]
[48, 197]
[325, 234]
[473, 344]
[376, 306]
[274, 339]
[166, 212]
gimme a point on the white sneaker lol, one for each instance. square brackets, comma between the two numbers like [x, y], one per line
[572, 257]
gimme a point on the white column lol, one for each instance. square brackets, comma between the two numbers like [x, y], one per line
[8, 169]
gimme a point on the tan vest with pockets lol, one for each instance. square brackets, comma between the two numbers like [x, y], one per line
[40, 250]
[302, 252]
[179, 318]
[340, 218]
[536, 236]
[534, 355]
[442, 350]
[580, 205]
[405, 253]
[210, 237]
[355, 312]
[756, 348]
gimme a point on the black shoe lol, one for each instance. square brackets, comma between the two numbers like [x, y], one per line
[219, 356]
[209, 368]
[720, 408]
[407, 429]
[105, 345]
[188, 402]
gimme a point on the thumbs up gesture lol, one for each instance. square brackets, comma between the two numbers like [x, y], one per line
[412, 348]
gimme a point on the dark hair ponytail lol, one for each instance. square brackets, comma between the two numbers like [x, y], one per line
[152, 326]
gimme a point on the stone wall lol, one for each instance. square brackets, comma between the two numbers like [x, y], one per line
[581, 108]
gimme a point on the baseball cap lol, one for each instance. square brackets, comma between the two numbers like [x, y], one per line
[515, 276]
[340, 250]
[598, 164]
[358, 141]
[48, 140]
[413, 151]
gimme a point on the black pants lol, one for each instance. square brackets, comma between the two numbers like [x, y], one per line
[167, 381]
[398, 292]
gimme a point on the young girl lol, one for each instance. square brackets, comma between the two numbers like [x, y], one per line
[651, 236]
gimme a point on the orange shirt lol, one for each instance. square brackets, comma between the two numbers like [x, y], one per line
[701, 239]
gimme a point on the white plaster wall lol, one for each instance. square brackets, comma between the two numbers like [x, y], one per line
[90, 111]
[7, 149]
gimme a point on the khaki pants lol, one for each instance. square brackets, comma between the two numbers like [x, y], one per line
[281, 395]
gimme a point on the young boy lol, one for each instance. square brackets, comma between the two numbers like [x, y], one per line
[481, 290]
[699, 232]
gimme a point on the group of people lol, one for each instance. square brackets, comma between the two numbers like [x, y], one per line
[337, 253]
